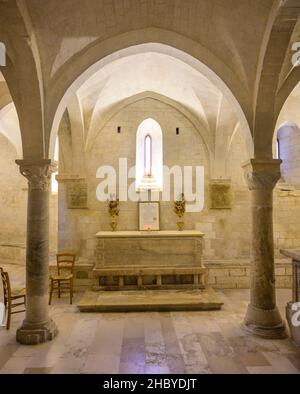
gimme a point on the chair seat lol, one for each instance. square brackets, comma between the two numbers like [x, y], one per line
[63, 276]
[62, 279]
[13, 298]
[18, 292]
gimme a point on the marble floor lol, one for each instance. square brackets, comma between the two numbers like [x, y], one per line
[149, 342]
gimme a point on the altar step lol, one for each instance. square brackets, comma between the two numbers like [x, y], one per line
[150, 300]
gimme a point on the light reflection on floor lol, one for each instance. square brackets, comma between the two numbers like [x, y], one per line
[167, 342]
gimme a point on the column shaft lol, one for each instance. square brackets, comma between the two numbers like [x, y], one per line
[263, 275]
[37, 326]
[263, 317]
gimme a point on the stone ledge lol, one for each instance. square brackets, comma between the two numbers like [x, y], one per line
[236, 274]
[148, 300]
[245, 263]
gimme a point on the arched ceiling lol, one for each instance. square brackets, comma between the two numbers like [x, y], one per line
[290, 112]
[211, 23]
[5, 97]
[9, 127]
[241, 46]
[179, 58]
[9, 121]
[151, 72]
[289, 70]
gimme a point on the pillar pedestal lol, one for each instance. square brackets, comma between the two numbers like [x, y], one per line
[37, 326]
[262, 317]
[265, 323]
[35, 333]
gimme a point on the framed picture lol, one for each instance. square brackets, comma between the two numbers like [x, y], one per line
[149, 216]
[77, 194]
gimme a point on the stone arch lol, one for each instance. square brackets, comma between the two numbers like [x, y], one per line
[78, 70]
[199, 126]
[272, 86]
[291, 84]
[5, 97]
[24, 82]
[234, 133]
[9, 141]
[9, 127]
[289, 112]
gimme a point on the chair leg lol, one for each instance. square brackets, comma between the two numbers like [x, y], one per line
[8, 316]
[58, 284]
[71, 291]
[51, 291]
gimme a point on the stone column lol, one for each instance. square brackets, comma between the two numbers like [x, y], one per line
[262, 317]
[37, 326]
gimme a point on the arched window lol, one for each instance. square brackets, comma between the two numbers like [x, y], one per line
[278, 155]
[149, 156]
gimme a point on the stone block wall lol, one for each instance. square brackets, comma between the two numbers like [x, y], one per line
[227, 231]
[289, 146]
[13, 208]
[12, 204]
[220, 274]
[286, 219]
[236, 274]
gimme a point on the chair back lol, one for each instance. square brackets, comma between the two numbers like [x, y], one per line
[65, 261]
[6, 286]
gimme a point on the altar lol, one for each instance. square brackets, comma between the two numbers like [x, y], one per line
[149, 271]
[149, 259]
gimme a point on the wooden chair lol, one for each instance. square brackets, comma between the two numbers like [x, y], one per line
[63, 279]
[10, 296]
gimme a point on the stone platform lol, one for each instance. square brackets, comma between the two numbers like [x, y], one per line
[150, 300]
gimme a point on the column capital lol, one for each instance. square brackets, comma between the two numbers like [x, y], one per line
[37, 172]
[262, 174]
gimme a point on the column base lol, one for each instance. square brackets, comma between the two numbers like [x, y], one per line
[265, 323]
[33, 334]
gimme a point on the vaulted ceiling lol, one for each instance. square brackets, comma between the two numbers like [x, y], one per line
[238, 50]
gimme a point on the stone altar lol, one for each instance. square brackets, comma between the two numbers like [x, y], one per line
[147, 259]
[152, 271]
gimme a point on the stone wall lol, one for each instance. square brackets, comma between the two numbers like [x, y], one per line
[236, 274]
[187, 148]
[286, 219]
[12, 204]
[221, 274]
[13, 208]
[227, 231]
[289, 143]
